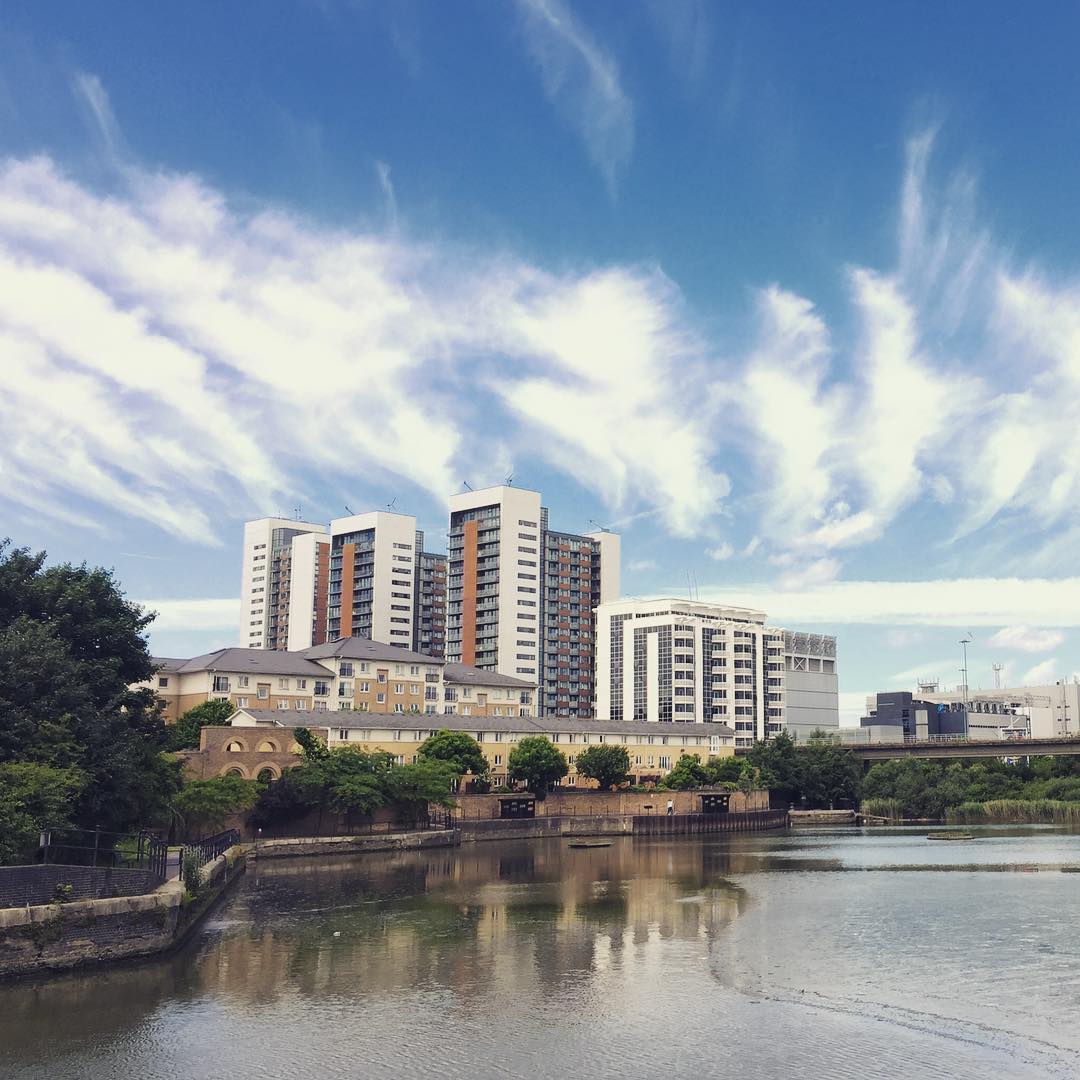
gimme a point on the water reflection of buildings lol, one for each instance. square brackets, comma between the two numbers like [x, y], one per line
[501, 919]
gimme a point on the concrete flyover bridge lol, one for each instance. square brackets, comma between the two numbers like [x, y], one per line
[958, 747]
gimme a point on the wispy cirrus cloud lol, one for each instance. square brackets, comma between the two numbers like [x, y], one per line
[960, 602]
[961, 391]
[581, 79]
[212, 356]
[92, 95]
[1027, 639]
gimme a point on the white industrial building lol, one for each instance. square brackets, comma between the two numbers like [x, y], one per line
[678, 661]
[1053, 708]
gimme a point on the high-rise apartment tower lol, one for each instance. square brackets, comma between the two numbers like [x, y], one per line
[520, 597]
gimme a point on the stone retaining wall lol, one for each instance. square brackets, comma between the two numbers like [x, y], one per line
[54, 937]
[350, 845]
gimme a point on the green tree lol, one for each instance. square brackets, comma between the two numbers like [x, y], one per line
[33, 797]
[204, 805]
[687, 773]
[726, 770]
[70, 645]
[608, 765]
[538, 762]
[184, 734]
[828, 773]
[412, 788]
[457, 749]
[777, 762]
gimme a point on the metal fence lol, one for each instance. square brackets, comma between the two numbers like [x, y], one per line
[99, 847]
[194, 857]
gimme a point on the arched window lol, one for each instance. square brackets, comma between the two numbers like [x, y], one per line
[267, 774]
[234, 771]
[268, 746]
[235, 747]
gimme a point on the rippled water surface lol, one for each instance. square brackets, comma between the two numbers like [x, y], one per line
[825, 953]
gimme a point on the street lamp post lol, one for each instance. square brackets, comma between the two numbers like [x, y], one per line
[965, 641]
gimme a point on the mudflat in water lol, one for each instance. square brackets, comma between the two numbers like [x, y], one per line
[824, 953]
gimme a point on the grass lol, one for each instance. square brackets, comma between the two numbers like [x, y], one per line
[1017, 811]
[886, 808]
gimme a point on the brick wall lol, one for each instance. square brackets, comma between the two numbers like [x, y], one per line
[22, 885]
[564, 802]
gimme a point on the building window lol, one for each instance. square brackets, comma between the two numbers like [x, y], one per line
[221, 684]
[163, 682]
[380, 698]
[345, 670]
[242, 703]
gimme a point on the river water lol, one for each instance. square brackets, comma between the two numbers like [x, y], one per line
[817, 953]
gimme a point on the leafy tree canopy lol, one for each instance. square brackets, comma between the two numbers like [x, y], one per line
[70, 644]
[205, 804]
[608, 765]
[32, 797]
[688, 772]
[538, 762]
[457, 749]
[184, 734]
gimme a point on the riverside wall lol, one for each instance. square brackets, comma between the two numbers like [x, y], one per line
[41, 938]
[307, 846]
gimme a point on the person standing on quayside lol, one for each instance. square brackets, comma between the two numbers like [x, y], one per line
[671, 806]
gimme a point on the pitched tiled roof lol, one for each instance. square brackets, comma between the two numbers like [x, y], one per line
[435, 721]
[465, 675]
[256, 661]
[360, 648]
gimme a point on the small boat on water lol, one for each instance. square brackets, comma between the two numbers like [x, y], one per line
[589, 843]
[950, 836]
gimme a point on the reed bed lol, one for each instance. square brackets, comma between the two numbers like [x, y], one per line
[886, 808]
[1016, 811]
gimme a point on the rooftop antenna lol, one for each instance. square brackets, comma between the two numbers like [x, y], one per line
[602, 528]
[468, 486]
[510, 480]
[347, 510]
[390, 504]
[998, 668]
[296, 511]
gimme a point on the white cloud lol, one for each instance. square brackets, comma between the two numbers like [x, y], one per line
[960, 602]
[581, 79]
[903, 638]
[946, 671]
[801, 573]
[638, 566]
[1046, 672]
[209, 357]
[721, 552]
[386, 186]
[93, 96]
[1027, 639]
[194, 615]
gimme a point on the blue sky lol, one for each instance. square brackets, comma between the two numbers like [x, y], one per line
[786, 294]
